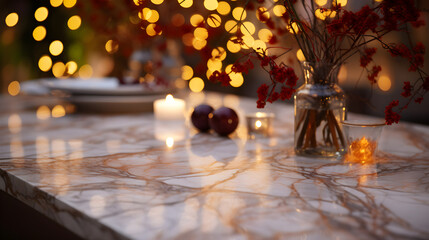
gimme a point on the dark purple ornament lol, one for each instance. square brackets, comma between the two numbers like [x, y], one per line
[200, 117]
[224, 121]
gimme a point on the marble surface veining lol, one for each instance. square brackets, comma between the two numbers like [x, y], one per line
[131, 177]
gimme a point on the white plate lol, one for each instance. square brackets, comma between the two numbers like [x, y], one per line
[101, 86]
[114, 104]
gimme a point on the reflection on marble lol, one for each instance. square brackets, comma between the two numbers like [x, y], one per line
[119, 177]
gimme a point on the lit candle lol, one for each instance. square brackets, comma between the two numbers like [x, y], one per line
[259, 122]
[169, 108]
[362, 150]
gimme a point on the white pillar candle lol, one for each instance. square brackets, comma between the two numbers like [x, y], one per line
[169, 108]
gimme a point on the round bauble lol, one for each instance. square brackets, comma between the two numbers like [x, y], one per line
[223, 121]
[200, 117]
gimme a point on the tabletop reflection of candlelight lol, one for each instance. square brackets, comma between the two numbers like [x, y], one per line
[169, 108]
[259, 122]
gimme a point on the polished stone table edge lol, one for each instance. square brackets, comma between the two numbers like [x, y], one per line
[56, 210]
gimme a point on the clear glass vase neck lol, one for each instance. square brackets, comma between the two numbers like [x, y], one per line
[320, 73]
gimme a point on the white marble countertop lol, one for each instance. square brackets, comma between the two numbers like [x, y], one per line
[118, 177]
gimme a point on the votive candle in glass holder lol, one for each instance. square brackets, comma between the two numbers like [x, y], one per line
[362, 139]
[259, 123]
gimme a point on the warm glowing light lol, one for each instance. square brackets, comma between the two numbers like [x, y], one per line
[186, 3]
[342, 2]
[13, 88]
[169, 142]
[111, 46]
[169, 98]
[300, 55]
[219, 53]
[45, 63]
[154, 16]
[239, 13]
[321, 2]
[258, 124]
[187, 39]
[362, 149]
[69, 3]
[59, 69]
[43, 112]
[74, 22]
[259, 46]
[293, 28]
[178, 20]
[56, 48]
[150, 30]
[196, 20]
[14, 123]
[262, 14]
[247, 28]
[214, 20]
[58, 111]
[265, 35]
[187, 72]
[248, 42]
[157, 2]
[85, 71]
[201, 33]
[56, 3]
[279, 10]
[232, 46]
[236, 79]
[223, 8]
[39, 33]
[12, 19]
[41, 14]
[211, 4]
[198, 44]
[384, 83]
[196, 84]
[71, 67]
[231, 26]
[214, 64]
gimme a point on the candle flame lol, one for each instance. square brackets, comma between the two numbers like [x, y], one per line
[169, 142]
[169, 98]
[361, 150]
[258, 124]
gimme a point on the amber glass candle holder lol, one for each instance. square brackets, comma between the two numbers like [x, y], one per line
[362, 139]
[259, 123]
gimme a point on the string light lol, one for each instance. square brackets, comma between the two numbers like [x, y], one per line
[74, 22]
[12, 19]
[41, 14]
[14, 88]
[39, 33]
[56, 48]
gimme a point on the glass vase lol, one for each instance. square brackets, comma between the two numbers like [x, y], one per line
[319, 110]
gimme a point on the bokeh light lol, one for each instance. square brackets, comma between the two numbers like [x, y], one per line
[12, 19]
[239, 13]
[265, 34]
[74, 22]
[56, 48]
[211, 4]
[262, 14]
[13, 88]
[321, 2]
[231, 26]
[45, 63]
[384, 83]
[185, 3]
[157, 2]
[219, 53]
[56, 3]
[223, 8]
[201, 33]
[247, 28]
[300, 55]
[69, 3]
[71, 67]
[111, 46]
[41, 14]
[196, 84]
[59, 69]
[86, 71]
[58, 111]
[43, 112]
[279, 10]
[214, 20]
[39, 33]
[187, 72]
[232, 46]
[196, 20]
[214, 64]
[178, 20]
